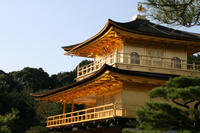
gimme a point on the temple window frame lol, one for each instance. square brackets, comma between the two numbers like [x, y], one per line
[176, 62]
[134, 58]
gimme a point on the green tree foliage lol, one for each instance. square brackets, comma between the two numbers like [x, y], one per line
[180, 111]
[53, 82]
[156, 131]
[178, 12]
[84, 62]
[126, 130]
[62, 79]
[6, 87]
[6, 82]
[38, 129]
[46, 108]
[194, 59]
[26, 105]
[66, 78]
[7, 120]
[2, 72]
[31, 78]
[15, 89]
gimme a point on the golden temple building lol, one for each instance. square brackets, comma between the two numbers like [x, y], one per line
[129, 59]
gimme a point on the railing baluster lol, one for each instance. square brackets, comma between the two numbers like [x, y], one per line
[82, 115]
[47, 122]
[144, 60]
[114, 109]
[193, 66]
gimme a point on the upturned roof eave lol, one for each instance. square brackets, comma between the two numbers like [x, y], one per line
[71, 48]
[99, 73]
[111, 23]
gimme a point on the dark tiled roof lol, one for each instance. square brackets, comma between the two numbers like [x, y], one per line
[101, 71]
[69, 47]
[142, 27]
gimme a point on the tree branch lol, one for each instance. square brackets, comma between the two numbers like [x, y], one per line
[178, 11]
[185, 7]
[190, 101]
[197, 19]
[158, 4]
[182, 105]
[197, 105]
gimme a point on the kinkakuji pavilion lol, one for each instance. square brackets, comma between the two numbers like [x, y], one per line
[129, 59]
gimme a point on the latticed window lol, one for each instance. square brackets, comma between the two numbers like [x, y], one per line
[176, 62]
[135, 59]
[154, 57]
[155, 52]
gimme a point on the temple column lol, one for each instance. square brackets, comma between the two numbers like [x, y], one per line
[64, 107]
[72, 107]
[64, 111]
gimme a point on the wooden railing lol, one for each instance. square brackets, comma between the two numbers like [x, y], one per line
[90, 114]
[94, 66]
[95, 113]
[159, 62]
[142, 60]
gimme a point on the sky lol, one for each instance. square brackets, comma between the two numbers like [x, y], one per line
[32, 32]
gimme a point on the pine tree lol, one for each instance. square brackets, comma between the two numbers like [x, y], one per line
[179, 109]
[177, 12]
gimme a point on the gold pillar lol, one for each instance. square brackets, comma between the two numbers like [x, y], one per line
[72, 107]
[64, 107]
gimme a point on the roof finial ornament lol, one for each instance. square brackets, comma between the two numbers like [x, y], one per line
[141, 10]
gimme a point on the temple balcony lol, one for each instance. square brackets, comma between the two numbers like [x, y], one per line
[143, 63]
[92, 114]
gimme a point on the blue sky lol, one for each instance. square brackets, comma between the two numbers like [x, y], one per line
[33, 31]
